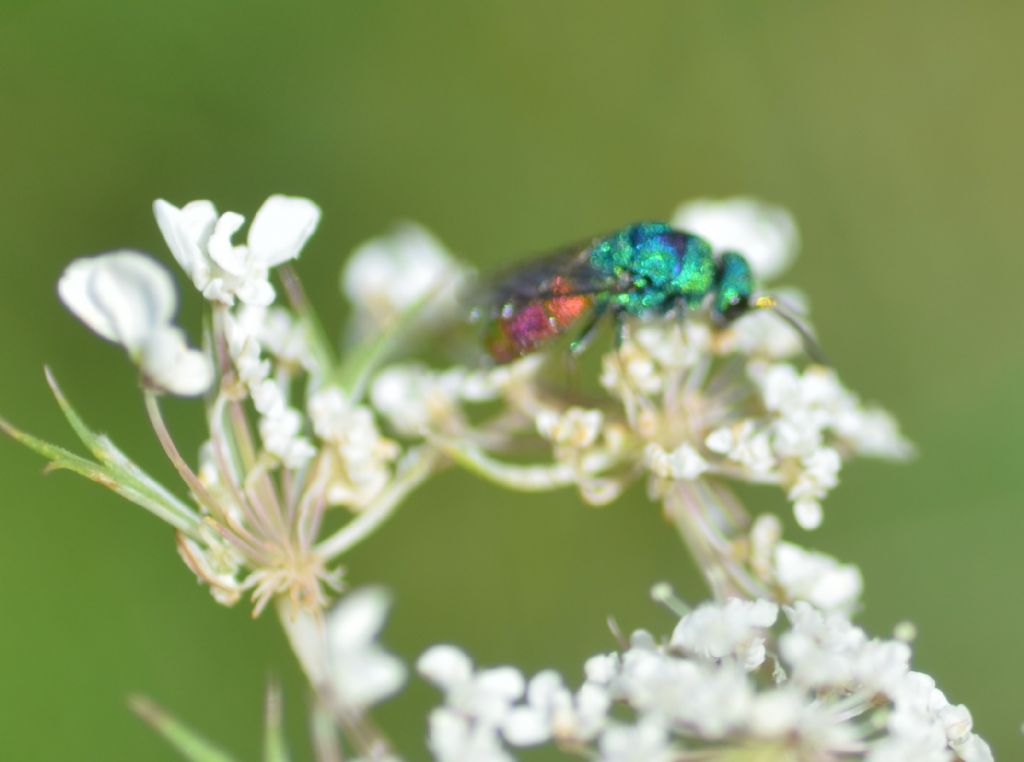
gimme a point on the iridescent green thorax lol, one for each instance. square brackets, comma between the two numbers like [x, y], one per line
[735, 284]
[658, 266]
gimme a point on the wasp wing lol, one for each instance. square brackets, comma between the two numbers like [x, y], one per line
[563, 273]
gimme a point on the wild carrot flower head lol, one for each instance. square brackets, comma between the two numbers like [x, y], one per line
[770, 669]
[687, 405]
[736, 680]
[289, 435]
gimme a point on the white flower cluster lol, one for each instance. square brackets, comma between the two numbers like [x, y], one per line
[798, 574]
[734, 681]
[200, 240]
[765, 422]
[772, 670]
[693, 401]
[238, 278]
[703, 409]
[391, 274]
[261, 501]
[360, 457]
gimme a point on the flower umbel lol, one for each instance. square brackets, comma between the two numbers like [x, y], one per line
[736, 681]
[259, 492]
[771, 669]
[289, 434]
[687, 405]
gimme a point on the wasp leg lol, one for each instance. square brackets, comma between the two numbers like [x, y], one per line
[578, 345]
[620, 331]
[582, 341]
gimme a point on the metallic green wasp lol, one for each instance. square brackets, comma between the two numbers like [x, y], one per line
[646, 269]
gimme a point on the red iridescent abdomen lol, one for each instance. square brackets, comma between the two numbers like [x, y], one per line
[521, 329]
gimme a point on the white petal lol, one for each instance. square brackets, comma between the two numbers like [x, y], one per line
[545, 688]
[231, 258]
[167, 362]
[524, 726]
[281, 228]
[357, 619]
[957, 722]
[445, 665]
[808, 514]
[396, 270]
[217, 290]
[776, 713]
[123, 296]
[75, 291]
[602, 669]
[816, 577]
[256, 291]
[686, 463]
[449, 732]
[974, 749]
[504, 682]
[720, 440]
[367, 676]
[269, 399]
[763, 613]
[454, 739]
[185, 230]
[593, 701]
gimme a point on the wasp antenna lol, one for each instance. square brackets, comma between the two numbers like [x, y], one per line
[810, 343]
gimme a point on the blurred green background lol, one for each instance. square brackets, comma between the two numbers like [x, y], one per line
[893, 132]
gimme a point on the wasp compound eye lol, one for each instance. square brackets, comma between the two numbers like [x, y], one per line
[737, 307]
[734, 287]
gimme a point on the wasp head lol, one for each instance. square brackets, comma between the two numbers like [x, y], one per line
[734, 284]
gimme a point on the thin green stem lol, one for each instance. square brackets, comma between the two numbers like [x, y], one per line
[307, 636]
[420, 464]
[693, 509]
